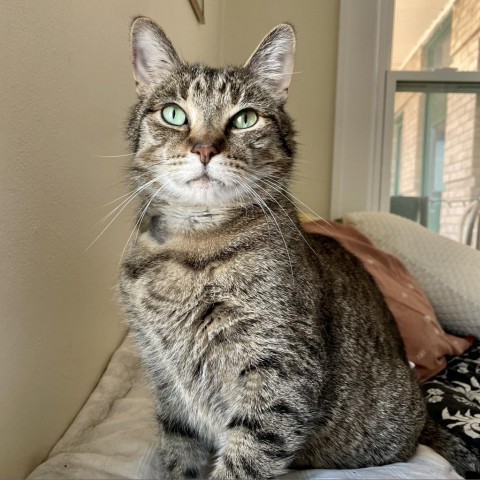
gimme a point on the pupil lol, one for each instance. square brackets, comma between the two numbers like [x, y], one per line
[244, 118]
[174, 112]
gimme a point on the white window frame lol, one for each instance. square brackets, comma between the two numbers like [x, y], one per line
[364, 50]
[460, 82]
[364, 107]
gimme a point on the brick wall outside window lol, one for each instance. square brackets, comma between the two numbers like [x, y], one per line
[461, 174]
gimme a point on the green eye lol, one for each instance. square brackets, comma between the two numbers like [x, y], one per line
[174, 115]
[245, 119]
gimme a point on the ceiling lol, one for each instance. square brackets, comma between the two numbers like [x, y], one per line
[413, 20]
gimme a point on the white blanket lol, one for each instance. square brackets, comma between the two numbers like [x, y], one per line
[114, 436]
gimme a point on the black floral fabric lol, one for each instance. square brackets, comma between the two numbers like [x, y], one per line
[453, 396]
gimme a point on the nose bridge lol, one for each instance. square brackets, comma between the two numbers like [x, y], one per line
[207, 134]
[207, 126]
[207, 137]
[207, 141]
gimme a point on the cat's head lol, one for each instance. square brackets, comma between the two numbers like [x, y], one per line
[210, 137]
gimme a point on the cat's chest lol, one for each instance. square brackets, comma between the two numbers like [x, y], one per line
[174, 284]
[181, 310]
[183, 276]
[183, 302]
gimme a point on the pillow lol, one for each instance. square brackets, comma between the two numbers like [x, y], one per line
[425, 341]
[448, 271]
[451, 396]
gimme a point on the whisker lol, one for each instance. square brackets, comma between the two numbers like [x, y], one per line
[112, 156]
[279, 231]
[119, 198]
[131, 195]
[156, 193]
[127, 194]
[307, 162]
[258, 199]
[274, 185]
[294, 180]
[125, 202]
[139, 221]
[279, 74]
[291, 220]
[301, 176]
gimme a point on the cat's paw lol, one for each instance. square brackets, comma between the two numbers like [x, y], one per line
[221, 472]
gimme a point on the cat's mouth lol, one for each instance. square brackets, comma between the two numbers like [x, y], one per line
[204, 179]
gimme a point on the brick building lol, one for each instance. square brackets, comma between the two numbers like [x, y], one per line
[436, 149]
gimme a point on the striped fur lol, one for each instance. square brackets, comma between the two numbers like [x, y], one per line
[266, 348]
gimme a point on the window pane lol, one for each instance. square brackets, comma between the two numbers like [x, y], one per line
[432, 34]
[436, 159]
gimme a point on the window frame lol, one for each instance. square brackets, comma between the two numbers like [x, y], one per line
[429, 82]
[364, 53]
[398, 133]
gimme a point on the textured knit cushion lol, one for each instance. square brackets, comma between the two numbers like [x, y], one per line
[425, 341]
[448, 271]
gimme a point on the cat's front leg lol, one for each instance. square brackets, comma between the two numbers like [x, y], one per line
[183, 455]
[270, 425]
[253, 452]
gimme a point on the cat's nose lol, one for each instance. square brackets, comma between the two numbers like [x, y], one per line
[205, 152]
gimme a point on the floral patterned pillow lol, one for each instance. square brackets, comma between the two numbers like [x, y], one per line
[453, 397]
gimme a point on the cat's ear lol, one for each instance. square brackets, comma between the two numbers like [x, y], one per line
[153, 56]
[272, 61]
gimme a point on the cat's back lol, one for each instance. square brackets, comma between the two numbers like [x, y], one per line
[369, 383]
[360, 327]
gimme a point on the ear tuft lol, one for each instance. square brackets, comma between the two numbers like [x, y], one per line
[272, 61]
[153, 56]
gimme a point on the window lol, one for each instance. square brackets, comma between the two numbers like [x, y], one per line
[417, 150]
[436, 173]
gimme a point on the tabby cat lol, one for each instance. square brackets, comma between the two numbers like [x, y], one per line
[267, 348]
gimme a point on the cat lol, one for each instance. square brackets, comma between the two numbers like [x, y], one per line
[267, 348]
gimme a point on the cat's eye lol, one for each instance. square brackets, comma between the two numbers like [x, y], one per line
[245, 119]
[174, 115]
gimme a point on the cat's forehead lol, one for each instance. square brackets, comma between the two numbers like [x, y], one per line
[220, 90]
[202, 87]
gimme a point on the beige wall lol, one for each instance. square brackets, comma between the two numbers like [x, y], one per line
[312, 92]
[66, 86]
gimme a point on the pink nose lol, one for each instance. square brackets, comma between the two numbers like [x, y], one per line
[205, 152]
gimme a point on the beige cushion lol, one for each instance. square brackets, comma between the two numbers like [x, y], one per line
[448, 271]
